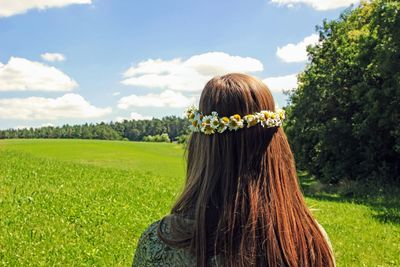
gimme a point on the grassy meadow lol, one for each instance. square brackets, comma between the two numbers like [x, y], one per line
[85, 203]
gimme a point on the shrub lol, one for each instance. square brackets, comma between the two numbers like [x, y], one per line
[157, 138]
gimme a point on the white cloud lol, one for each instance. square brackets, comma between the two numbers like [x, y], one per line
[53, 57]
[12, 7]
[133, 116]
[48, 124]
[317, 4]
[280, 83]
[187, 75]
[20, 74]
[296, 52]
[28, 127]
[166, 98]
[20, 127]
[40, 108]
[116, 93]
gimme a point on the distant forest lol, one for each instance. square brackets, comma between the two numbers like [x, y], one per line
[133, 130]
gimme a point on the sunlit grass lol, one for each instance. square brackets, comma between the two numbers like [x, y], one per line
[75, 202]
[161, 158]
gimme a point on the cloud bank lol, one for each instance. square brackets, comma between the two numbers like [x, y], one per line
[133, 116]
[13, 7]
[52, 57]
[296, 52]
[320, 5]
[20, 74]
[187, 75]
[280, 83]
[40, 108]
[167, 98]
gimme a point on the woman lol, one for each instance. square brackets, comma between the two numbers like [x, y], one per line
[241, 204]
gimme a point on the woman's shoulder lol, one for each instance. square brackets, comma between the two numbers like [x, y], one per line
[152, 251]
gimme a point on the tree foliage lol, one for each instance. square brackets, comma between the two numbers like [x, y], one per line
[157, 138]
[344, 118]
[134, 130]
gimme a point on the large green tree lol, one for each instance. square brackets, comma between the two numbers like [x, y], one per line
[344, 117]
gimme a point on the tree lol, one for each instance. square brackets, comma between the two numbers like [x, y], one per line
[343, 120]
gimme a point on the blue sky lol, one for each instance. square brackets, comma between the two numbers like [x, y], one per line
[101, 60]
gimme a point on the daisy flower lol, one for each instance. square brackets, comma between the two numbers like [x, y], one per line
[251, 120]
[223, 124]
[235, 122]
[281, 114]
[206, 124]
[215, 120]
[207, 129]
[190, 111]
[194, 126]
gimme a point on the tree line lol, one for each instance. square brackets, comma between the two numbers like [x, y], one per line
[133, 130]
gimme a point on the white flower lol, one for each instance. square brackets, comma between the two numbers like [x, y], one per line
[270, 122]
[215, 120]
[207, 119]
[206, 124]
[223, 124]
[194, 125]
[207, 129]
[197, 116]
[268, 114]
[235, 122]
[281, 113]
[190, 111]
[251, 120]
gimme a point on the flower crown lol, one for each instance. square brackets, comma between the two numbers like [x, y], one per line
[210, 124]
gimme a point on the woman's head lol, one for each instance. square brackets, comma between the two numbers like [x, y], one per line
[242, 190]
[235, 93]
[234, 150]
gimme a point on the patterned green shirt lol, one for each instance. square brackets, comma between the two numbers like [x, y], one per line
[151, 251]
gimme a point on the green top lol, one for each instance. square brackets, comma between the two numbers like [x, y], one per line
[151, 251]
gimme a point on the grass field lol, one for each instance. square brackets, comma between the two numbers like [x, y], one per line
[85, 203]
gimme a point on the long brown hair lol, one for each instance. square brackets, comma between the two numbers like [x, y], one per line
[242, 189]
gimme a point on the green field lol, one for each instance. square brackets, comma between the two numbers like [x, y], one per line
[85, 203]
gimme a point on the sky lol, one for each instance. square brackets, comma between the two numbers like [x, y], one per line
[78, 61]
